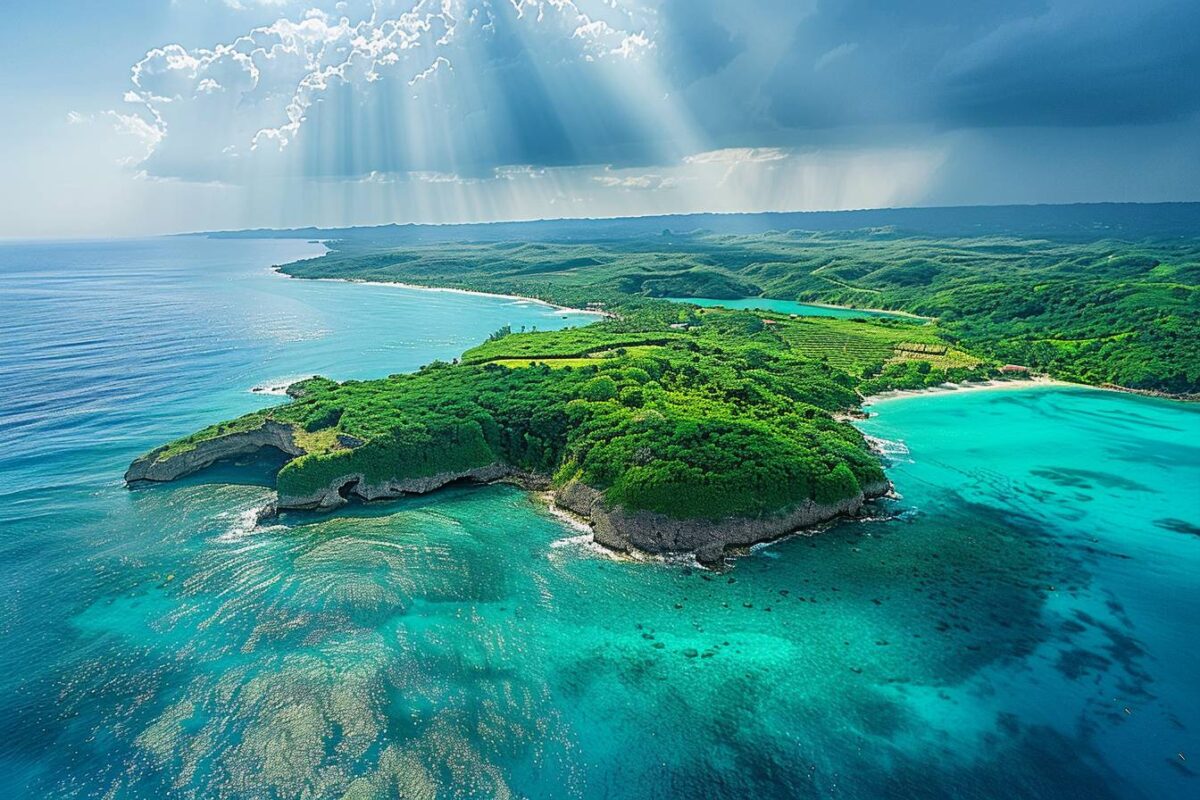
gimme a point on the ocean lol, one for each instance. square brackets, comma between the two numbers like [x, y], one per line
[1020, 622]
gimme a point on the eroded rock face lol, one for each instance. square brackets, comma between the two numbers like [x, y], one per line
[624, 530]
[340, 490]
[614, 527]
[154, 467]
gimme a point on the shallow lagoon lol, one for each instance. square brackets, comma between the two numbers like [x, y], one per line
[982, 638]
[789, 307]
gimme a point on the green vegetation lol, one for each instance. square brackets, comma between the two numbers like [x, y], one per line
[1096, 310]
[730, 416]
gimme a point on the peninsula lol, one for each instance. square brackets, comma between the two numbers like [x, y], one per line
[671, 429]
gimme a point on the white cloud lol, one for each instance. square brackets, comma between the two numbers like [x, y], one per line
[834, 54]
[242, 5]
[134, 125]
[639, 182]
[438, 177]
[428, 72]
[258, 92]
[738, 155]
[517, 171]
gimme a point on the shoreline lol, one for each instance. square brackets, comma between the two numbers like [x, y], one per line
[880, 311]
[275, 389]
[472, 292]
[1154, 393]
[980, 386]
[1020, 383]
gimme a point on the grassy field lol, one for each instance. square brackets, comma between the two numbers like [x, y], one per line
[573, 343]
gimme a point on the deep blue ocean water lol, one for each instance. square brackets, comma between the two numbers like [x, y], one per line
[1021, 622]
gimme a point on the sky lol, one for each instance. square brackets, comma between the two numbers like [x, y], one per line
[133, 117]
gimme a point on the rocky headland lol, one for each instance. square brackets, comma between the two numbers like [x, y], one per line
[613, 526]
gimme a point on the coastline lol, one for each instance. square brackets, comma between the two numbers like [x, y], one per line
[880, 311]
[580, 508]
[592, 312]
[1154, 393]
[278, 387]
[1021, 383]
[981, 386]
[1040, 380]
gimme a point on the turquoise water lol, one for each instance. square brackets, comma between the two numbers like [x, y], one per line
[982, 637]
[786, 307]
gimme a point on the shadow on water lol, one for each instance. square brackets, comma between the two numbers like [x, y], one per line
[257, 469]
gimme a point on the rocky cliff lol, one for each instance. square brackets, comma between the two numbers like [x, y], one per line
[624, 530]
[339, 491]
[161, 465]
[614, 527]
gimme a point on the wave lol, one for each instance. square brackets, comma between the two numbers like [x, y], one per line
[245, 523]
[278, 386]
[886, 447]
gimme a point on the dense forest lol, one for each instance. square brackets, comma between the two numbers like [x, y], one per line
[1099, 310]
[688, 413]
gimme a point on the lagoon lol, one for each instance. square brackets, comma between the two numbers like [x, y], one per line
[790, 307]
[1019, 622]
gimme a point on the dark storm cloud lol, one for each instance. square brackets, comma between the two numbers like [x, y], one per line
[692, 43]
[969, 64]
[1097, 64]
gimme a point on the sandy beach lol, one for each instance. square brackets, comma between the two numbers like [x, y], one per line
[514, 297]
[982, 386]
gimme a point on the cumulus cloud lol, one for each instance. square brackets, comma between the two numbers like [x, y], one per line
[388, 66]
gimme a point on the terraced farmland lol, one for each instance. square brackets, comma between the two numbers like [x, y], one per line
[854, 345]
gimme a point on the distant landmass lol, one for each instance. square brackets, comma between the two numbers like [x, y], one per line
[1077, 221]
